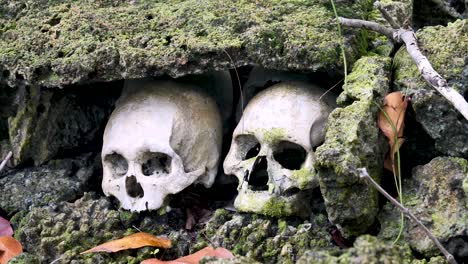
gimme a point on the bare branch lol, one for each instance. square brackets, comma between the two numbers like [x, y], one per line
[429, 74]
[405, 211]
[425, 68]
[358, 23]
[386, 15]
[4, 162]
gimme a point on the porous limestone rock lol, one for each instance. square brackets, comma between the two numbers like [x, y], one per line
[272, 146]
[56, 181]
[64, 230]
[264, 239]
[353, 141]
[56, 43]
[162, 137]
[366, 249]
[50, 123]
[445, 47]
[437, 194]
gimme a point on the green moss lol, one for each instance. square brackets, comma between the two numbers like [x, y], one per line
[352, 141]
[445, 56]
[277, 208]
[273, 135]
[303, 176]
[368, 80]
[82, 40]
[282, 225]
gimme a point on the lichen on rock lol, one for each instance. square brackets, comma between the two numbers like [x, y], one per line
[57, 181]
[436, 195]
[264, 239]
[56, 43]
[54, 123]
[445, 47]
[65, 230]
[366, 249]
[353, 141]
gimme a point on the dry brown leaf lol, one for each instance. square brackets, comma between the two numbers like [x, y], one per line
[9, 248]
[395, 105]
[133, 241]
[195, 257]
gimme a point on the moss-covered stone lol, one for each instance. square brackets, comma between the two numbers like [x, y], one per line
[400, 10]
[60, 180]
[54, 123]
[435, 194]
[55, 43]
[265, 239]
[353, 141]
[445, 47]
[63, 230]
[366, 249]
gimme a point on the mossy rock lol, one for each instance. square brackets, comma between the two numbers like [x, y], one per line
[57, 181]
[265, 239]
[353, 141]
[51, 123]
[445, 47]
[436, 194]
[366, 249]
[60, 42]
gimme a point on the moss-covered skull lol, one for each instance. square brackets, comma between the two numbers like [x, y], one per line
[272, 149]
[162, 137]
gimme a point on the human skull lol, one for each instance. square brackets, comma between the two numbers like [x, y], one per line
[272, 147]
[162, 137]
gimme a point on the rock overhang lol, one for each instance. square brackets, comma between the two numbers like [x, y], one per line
[58, 43]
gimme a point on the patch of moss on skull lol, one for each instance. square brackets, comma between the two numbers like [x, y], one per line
[273, 135]
[303, 177]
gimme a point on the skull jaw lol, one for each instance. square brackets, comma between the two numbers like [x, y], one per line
[152, 199]
[144, 203]
[270, 204]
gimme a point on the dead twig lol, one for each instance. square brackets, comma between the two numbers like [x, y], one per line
[4, 162]
[408, 37]
[386, 15]
[405, 211]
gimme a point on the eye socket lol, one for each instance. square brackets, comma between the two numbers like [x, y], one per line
[156, 164]
[118, 164]
[290, 155]
[248, 145]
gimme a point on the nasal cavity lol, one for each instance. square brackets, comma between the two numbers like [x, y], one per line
[258, 179]
[133, 188]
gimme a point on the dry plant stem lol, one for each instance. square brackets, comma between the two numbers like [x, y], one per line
[4, 162]
[425, 68]
[386, 15]
[364, 174]
[374, 26]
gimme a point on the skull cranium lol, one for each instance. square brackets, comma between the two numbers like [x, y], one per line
[272, 153]
[162, 137]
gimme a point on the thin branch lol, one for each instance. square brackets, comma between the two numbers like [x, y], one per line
[374, 26]
[429, 74]
[425, 68]
[386, 15]
[4, 162]
[405, 211]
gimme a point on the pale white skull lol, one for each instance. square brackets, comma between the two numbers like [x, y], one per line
[162, 137]
[271, 152]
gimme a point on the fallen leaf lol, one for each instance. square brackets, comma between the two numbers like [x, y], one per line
[395, 105]
[133, 241]
[195, 257]
[5, 227]
[9, 248]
